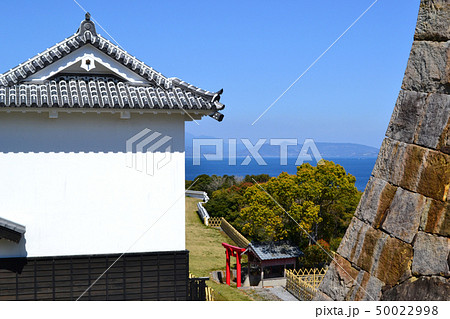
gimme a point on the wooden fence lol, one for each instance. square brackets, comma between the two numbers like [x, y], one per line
[195, 285]
[303, 283]
[220, 222]
[236, 236]
[135, 276]
[214, 222]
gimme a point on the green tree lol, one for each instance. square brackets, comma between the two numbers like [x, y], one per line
[321, 199]
[261, 178]
[227, 202]
[334, 191]
[200, 183]
[316, 255]
[266, 220]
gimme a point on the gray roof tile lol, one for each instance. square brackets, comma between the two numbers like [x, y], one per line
[99, 92]
[274, 250]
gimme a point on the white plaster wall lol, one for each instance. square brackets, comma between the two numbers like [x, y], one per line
[67, 181]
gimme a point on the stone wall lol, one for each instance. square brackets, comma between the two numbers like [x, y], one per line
[397, 245]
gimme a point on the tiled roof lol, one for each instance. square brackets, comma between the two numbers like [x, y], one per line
[10, 230]
[274, 250]
[100, 91]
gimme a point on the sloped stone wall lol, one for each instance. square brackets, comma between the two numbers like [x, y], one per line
[397, 245]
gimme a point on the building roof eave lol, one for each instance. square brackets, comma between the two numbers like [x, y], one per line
[11, 231]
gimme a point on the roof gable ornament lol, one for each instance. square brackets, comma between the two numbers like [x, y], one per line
[87, 27]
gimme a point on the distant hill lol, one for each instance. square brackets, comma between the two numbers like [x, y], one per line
[343, 150]
[346, 150]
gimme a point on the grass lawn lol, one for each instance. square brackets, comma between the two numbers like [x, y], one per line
[206, 252]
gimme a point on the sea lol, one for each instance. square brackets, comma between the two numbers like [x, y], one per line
[361, 168]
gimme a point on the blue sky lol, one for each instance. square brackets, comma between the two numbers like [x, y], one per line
[254, 50]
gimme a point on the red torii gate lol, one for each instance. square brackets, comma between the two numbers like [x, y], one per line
[233, 251]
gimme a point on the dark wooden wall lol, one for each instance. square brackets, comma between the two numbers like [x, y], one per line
[135, 276]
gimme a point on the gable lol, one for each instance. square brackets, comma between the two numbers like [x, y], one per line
[85, 36]
[87, 61]
[88, 71]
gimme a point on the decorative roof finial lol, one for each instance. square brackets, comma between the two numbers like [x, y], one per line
[87, 27]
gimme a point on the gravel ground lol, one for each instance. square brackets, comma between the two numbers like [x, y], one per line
[283, 294]
[270, 294]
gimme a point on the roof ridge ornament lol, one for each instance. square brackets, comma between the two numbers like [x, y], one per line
[219, 106]
[87, 26]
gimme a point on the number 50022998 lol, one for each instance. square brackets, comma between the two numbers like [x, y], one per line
[406, 310]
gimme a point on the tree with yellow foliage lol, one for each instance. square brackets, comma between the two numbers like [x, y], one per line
[266, 220]
[321, 199]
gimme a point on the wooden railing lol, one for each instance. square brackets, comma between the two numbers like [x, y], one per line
[214, 222]
[236, 236]
[303, 283]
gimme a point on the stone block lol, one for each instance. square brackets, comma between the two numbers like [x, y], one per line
[373, 251]
[351, 244]
[436, 218]
[432, 22]
[434, 121]
[403, 216]
[389, 164]
[444, 140]
[414, 168]
[419, 289]
[405, 118]
[421, 119]
[412, 163]
[339, 279]
[366, 288]
[427, 68]
[344, 282]
[435, 176]
[375, 201]
[373, 243]
[394, 261]
[430, 255]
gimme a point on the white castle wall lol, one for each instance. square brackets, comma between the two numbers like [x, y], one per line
[67, 181]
